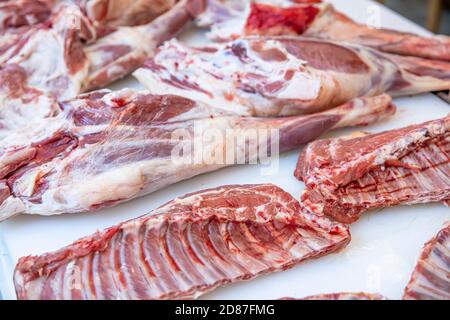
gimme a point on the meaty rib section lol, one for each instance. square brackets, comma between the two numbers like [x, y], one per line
[231, 19]
[347, 176]
[128, 144]
[431, 278]
[284, 76]
[185, 248]
[343, 296]
[30, 85]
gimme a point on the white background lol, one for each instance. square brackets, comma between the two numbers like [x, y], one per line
[385, 244]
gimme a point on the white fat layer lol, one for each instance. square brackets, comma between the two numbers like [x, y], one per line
[221, 75]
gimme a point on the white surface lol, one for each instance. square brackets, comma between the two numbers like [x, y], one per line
[381, 257]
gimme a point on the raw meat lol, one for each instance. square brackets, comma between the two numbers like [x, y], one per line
[347, 176]
[431, 278]
[128, 144]
[116, 13]
[123, 51]
[39, 66]
[185, 248]
[31, 87]
[18, 13]
[283, 76]
[343, 296]
[104, 14]
[230, 19]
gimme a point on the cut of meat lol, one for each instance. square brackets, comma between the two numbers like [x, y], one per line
[104, 14]
[31, 86]
[230, 19]
[343, 296]
[283, 76]
[18, 13]
[123, 51]
[431, 278]
[115, 13]
[347, 176]
[128, 144]
[185, 248]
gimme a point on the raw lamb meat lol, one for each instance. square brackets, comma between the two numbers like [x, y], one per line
[116, 13]
[283, 76]
[230, 19]
[104, 14]
[347, 176]
[344, 296]
[185, 248]
[120, 53]
[31, 87]
[128, 144]
[18, 13]
[431, 278]
[39, 66]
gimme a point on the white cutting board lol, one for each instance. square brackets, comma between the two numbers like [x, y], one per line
[385, 244]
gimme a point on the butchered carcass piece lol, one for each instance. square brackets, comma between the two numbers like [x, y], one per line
[283, 76]
[109, 14]
[40, 65]
[230, 19]
[347, 176]
[31, 86]
[105, 15]
[123, 51]
[128, 144]
[18, 13]
[185, 248]
[431, 278]
[343, 296]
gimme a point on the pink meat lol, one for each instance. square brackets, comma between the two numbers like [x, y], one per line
[32, 87]
[348, 176]
[128, 144]
[431, 278]
[230, 19]
[284, 76]
[185, 248]
[18, 13]
[343, 296]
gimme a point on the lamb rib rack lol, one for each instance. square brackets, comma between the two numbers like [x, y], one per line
[185, 248]
[230, 19]
[348, 176]
[128, 144]
[283, 76]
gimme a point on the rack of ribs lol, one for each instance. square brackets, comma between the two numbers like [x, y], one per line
[185, 248]
[348, 176]
[431, 278]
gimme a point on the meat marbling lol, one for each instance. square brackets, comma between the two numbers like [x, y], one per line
[347, 176]
[343, 296]
[431, 277]
[283, 76]
[130, 143]
[185, 248]
[230, 19]
[104, 14]
[31, 86]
